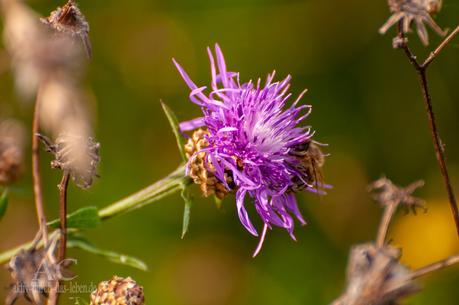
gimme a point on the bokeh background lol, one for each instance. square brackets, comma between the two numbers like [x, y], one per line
[367, 106]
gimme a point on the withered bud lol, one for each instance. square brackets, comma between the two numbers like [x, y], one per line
[11, 151]
[201, 169]
[70, 20]
[407, 12]
[118, 291]
[375, 276]
[34, 272]
[76, 155]
[386, 192]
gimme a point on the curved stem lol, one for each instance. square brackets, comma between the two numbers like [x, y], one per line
[37, 188]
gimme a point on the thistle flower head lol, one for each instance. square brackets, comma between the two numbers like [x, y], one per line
[118, 290]
[70, 20]
[418, 11]
[34, 271]
[79, 156]
[254, 144]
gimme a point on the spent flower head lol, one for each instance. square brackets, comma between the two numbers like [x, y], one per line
[406, 12]
[250, 140]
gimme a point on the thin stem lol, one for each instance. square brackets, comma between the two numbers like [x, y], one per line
[442, 45]
[152, 193]
[383, 228]
[37, 188]
[171, 184]
[421, 70]
[63, 186]
[434, 267]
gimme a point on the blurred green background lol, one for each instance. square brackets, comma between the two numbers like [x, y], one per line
[367, 106]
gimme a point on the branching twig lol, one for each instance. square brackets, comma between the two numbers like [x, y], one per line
[434, 267]
[37, 188]
[422, 73]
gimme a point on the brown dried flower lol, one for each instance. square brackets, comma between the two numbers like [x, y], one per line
[69, 20]
[76, 155]
[387, 193]
[35, 52]
[11, 151]
[376, 277]
[34, 272]
[419, 11]
[200, 169]
[118, 291]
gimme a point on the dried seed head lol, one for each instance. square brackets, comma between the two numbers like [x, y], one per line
[201, 169]
[33, 271]
[418, 11]
[76, 155]
[311, 161]
[385, 192]
[11, 151]
[35, 52]
[375, 276]
[69, 20]
[118, 291]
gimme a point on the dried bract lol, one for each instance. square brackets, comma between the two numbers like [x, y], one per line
[34, 272]
[418, 11]
[118, 291]
[385, 192]
[11, 151]
[201, 171]
[376, 277]
[69, 20]
[76, 155]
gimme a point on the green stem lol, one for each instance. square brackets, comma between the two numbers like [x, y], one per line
[152, 193]
[171, 184]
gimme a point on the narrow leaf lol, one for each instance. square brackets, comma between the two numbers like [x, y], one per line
[187, 210]
[175, 129]
[83, 244]
[3, 202]
[83, 218]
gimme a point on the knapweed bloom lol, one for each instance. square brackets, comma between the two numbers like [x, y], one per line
[419, 11]
[249, 141]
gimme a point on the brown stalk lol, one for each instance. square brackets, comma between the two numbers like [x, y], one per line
[421, 70]
[434, 267]
[63, 215]
[37, 187]
[383, 228]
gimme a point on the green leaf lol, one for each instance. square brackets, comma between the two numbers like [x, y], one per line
[81, 243]
[175, 129]
[83, 218]
[3, 202]
[187, 210]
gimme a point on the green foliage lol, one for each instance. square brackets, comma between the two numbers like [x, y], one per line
[3, 202]
[77, 241]
[84, 218]
[172, 118]
[187, 210]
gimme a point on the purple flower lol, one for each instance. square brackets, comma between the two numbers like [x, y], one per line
[254, 136]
